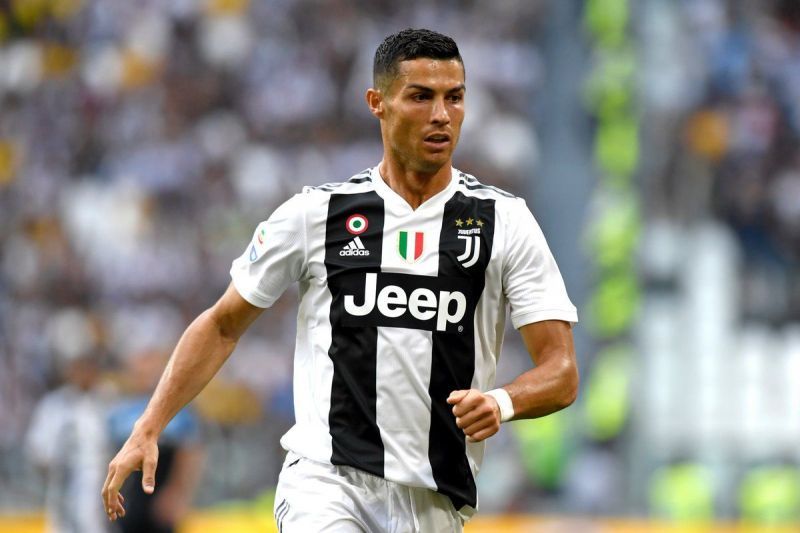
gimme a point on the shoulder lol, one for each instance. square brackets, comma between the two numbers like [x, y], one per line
[512, 211]
[471, 186]
[357, 183]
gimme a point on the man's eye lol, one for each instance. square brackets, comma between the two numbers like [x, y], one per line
[455, 98]
[420, 97]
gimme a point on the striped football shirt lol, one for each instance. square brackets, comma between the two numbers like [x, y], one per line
[398, 308]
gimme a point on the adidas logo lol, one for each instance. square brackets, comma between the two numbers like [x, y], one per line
[354, 247]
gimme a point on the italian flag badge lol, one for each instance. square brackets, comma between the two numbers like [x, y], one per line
[409, 245]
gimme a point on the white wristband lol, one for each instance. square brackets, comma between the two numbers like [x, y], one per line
[503, 402]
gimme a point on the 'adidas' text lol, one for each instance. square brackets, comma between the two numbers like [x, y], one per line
[354, 247]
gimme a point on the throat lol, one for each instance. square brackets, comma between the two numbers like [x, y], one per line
[414, 187]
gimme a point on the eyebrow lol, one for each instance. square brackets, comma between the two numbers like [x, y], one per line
[459, 87]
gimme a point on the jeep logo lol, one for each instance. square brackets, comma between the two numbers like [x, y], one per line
[404, 300]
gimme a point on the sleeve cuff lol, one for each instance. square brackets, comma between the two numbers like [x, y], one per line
[252, 296]
[529, 317]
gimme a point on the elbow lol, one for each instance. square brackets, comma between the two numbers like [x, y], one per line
[221, 327]
[570, 381]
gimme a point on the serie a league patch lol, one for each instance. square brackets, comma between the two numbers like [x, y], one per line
[259, 244]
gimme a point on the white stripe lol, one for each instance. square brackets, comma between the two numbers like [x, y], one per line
[404, 405]
[358, 242]
[313, 368]
[468, 248]
[476, 252]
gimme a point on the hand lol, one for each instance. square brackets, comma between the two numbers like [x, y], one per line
[138, 453]
[477, 414]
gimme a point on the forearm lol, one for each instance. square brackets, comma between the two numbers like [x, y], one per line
[200, 353]
[545, 389]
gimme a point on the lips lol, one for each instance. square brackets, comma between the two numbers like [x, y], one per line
[438, 138]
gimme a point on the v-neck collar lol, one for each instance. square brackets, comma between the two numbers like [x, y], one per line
[389, 194]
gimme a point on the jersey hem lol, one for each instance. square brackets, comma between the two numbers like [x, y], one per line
[523, 319]
[251, 296]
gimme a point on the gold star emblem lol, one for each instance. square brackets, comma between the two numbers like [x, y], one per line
[480, 223]
[459, 222]
[469, 221]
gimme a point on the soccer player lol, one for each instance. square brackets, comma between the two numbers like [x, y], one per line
[406, 272]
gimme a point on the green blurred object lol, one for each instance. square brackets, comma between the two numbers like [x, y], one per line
[610, 89]
[607, 394]
[683, 493]
[613, 306]
[607, 20]
[613, 234]
[771, 496]
[616, 148]
[544, 445]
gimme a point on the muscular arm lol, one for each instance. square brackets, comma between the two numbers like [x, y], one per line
[553, 383]
[204, 347]
[548, 387]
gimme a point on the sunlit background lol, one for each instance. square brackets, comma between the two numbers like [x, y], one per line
[655, 141]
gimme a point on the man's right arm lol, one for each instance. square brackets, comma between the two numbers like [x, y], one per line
[204, 347]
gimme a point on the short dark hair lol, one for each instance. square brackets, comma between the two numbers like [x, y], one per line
[410, 44]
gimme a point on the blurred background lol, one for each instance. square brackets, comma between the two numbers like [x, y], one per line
[655, 141]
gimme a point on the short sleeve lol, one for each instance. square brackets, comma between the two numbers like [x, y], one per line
[276, 256]
[532, 282]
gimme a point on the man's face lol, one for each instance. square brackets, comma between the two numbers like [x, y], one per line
[422, 111]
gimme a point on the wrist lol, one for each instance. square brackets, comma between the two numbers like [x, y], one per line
[146, 430]
[504, 403]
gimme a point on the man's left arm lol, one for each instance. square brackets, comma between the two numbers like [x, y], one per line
[548, 387]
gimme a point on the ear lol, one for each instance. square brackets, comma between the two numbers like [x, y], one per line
[374, 98]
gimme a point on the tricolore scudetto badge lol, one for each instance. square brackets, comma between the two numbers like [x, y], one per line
[410, 245]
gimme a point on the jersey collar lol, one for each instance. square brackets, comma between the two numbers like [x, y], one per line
[389, 195]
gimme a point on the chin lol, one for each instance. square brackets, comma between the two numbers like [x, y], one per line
[433, 162]
[430, 167]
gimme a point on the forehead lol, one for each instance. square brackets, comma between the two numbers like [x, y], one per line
[441, 74]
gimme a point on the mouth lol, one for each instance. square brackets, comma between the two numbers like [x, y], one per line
[437, 140]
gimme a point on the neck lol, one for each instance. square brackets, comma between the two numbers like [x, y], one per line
[413, 186]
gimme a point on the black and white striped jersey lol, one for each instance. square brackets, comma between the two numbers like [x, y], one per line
[399, 307]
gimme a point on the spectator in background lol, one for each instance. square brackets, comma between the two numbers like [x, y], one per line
[180, 455]
[67, 441]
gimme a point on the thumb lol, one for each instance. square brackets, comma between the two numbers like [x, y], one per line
[456, 396]
[149, 475]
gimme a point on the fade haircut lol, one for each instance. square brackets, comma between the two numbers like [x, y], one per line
[410, 44]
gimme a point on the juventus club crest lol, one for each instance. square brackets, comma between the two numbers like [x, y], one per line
[410, 245]
[469, 231]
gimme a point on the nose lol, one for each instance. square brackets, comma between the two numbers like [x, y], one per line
[439, 114]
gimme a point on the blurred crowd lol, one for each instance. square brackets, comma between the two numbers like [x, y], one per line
[727, 103]
[717, 424]
[141, 143]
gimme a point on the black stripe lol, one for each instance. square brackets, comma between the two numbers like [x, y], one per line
[278, 511]
[362, 176]
[491, 188]
[282, 513]
[472, 184]
[453, 363]
[354, 430]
